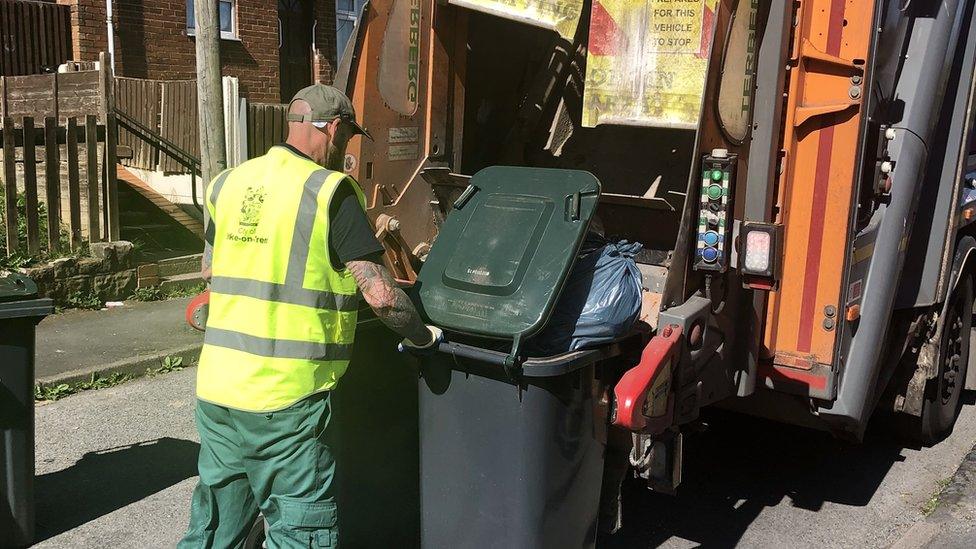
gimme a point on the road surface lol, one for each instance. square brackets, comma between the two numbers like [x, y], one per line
[115, 468]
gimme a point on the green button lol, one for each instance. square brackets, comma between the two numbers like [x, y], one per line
[717, 175]
[715, 192]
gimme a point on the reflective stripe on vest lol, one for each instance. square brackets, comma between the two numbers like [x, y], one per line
[282, 319]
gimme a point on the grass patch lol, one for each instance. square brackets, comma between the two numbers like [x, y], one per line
[932, 503]
[61, 390]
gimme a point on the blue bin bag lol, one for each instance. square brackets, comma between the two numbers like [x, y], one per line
[601, 300]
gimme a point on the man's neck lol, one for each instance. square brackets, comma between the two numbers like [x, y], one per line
[300, 148]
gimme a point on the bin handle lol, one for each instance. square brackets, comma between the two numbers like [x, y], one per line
[465, 196]
[508, 361]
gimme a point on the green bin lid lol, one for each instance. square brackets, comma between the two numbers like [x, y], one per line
[502, 256]
[16, 287]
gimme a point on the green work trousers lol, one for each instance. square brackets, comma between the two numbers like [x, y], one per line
[275, 462]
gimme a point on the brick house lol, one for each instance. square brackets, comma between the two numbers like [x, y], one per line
[274, 47]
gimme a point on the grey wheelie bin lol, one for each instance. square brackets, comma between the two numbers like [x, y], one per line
[511, 453]
[20, 312]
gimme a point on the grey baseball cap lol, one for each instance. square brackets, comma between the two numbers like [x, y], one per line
[327, 104]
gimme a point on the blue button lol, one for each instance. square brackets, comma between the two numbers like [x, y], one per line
[710, 255]
[710, 238]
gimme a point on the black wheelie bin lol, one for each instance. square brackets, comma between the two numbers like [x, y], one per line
[511, 449]
[20, 312]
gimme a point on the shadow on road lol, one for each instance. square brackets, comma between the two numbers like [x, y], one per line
[742, 465]
[106, 480]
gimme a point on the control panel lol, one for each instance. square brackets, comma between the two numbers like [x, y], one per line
[715, 215]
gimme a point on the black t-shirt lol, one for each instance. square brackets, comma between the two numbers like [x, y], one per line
[351, 235]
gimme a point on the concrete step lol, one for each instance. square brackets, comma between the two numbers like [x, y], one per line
[182, 281]
[187, 264]
[169, 270]
[160, 202]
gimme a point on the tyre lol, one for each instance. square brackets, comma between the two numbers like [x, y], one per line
[255, 538]
[943, 395]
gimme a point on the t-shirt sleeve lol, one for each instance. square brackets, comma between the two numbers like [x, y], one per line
[351, 234]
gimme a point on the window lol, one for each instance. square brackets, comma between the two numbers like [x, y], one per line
[228, 19]
[347, 14]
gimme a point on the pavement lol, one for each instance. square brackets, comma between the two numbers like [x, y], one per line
[116, 468]
[76, 343]
[952, 523]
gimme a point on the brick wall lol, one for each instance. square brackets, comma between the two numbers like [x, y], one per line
[324, 60]
[151, 42]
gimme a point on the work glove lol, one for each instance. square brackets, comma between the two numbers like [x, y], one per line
[407, 346]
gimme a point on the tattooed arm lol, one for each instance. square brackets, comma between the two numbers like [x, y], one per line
[206, 261]
[389, 302]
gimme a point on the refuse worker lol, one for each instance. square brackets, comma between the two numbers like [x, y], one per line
[291, 246]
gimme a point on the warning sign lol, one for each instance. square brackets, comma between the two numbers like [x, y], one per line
[647, 61]
[561, 16]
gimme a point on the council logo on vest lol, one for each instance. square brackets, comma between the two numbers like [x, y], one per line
[251, 207]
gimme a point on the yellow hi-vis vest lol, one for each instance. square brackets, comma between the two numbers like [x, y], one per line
[282, 319]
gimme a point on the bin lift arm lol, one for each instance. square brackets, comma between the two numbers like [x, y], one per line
[643, 399]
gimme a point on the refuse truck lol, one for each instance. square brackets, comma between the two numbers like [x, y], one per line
[801, 176]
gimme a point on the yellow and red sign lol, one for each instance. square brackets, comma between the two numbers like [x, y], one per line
[646, 62]
[561, 16]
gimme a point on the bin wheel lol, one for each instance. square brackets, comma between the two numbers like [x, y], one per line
[943, 395]
[255, 538]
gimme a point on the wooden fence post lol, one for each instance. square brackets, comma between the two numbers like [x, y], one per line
[52, 183]
[30, 187]
[111, 140]
[74, 187]
[91, 165]
[10, 184]
[210, 110]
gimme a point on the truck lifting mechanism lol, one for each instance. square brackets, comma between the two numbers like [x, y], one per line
[801, 175]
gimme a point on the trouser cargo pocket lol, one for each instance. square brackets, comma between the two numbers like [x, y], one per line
[310, 524]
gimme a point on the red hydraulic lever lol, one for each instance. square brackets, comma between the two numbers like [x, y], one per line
[643, 399]
[196, 311]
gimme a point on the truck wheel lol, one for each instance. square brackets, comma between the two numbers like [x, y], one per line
[944, 392]
[255, 538]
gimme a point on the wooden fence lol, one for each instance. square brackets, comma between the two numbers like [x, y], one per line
[71, 117]
[80, 211]
[169, 108]
[266, 126]
[35, 37]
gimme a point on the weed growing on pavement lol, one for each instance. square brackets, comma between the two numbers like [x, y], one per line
[82, 300]
[933, 502]
[61, 390]
[169, 364]
[155, 293]
[148, 293]
[188, 291]
[53, 392]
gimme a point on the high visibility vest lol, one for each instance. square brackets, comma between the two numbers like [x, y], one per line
[282, 319]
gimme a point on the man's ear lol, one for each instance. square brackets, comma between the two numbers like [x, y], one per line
[334, 127]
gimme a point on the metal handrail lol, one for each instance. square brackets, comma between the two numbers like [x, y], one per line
[183, 158]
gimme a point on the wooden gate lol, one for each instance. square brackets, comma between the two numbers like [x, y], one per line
[71, 152]
[70, 117]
